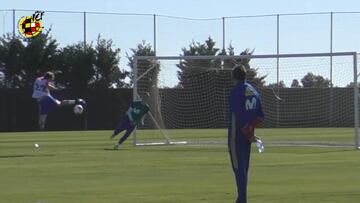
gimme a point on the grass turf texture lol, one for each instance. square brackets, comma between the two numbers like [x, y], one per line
[77, 167]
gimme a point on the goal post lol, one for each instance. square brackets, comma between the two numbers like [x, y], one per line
[166, 140]
[356, 103]
[188, 97]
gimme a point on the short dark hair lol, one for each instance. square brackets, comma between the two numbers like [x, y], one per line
[239, 72]
[49, 75]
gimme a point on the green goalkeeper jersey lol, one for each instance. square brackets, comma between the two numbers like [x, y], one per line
[137, 111]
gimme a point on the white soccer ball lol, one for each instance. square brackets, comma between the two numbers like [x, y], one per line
[78, 109]
[36, 145]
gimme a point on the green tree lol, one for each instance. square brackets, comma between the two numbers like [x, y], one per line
[38, 57]
[25, 59]
[295, 84]
[252, 73]
[191, 69]
[318, 81]
[351, 85]
[200, 81]
[276, 85]
[76, 65]
[107, 70]
[150, 80]
[11, 61]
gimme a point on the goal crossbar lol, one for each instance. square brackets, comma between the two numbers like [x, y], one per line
[224, 57]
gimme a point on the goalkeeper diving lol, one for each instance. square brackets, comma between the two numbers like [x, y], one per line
[133, 116]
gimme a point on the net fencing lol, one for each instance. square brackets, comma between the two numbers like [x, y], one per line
[307, 98]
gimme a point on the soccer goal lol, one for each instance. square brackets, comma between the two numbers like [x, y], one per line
[309, 99]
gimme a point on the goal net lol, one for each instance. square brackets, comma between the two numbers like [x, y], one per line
[308, 99]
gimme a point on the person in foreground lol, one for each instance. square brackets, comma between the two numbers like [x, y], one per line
[245, 114]
[133, 116]
[41, 92]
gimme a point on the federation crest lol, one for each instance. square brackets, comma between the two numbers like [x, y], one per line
[249, 92]
[31, 26]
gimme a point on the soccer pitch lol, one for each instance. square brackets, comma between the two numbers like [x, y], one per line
[78, 167]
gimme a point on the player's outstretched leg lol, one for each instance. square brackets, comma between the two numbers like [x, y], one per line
[118, 129]
[124, 137]
[69, 102]
[123, 125]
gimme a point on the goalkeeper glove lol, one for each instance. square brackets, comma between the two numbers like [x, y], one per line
[249, 129]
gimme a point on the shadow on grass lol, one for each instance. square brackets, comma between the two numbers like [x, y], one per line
[115, 150]
[24, 155]
[310, 150]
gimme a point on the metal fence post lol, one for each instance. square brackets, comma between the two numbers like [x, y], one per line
[14, 23]
[84, 30]
[331, 70]
[331, 45]
[223, 32]
[155, 34]
[277, 67]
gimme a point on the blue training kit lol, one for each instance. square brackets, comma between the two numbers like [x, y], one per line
[46, 104]
[244, 108]
[127, 125]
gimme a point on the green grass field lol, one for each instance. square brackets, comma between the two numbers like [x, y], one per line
[78, 167]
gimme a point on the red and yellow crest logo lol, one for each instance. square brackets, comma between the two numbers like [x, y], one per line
[31, 26]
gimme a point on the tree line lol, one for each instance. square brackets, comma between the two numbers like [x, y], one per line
[309, 80]
[76, 66]
[97, 64]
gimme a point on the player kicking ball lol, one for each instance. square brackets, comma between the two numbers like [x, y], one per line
[133, 116]
[41, 92]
